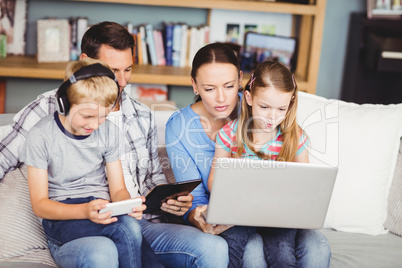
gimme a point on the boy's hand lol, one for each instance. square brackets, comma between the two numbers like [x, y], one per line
[178, 206]
[137, 212]
[93, 208]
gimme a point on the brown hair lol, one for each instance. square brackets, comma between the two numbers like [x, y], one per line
[213, 53]
[106, 33]
[271, 74]
[98, 89]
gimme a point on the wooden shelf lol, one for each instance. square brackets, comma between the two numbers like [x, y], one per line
[309, 28]
[28, 67]
[260, 6]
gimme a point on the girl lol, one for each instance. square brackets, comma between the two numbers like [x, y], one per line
[266, 129]
[190, 143]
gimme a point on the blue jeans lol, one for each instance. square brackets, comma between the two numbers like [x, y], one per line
[119, 242]
[311, 250]
[237, 238]
[179, 245]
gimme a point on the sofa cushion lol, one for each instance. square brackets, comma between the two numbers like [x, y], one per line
[394, 218]
[361, 250]
[363, 141]
[22, 236]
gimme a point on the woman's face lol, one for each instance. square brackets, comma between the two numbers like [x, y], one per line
[218, 84]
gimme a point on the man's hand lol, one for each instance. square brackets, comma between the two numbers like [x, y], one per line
[178, 206]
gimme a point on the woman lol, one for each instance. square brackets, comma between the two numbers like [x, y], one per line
[190, 142]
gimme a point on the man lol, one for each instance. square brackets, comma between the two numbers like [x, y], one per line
[175, 245]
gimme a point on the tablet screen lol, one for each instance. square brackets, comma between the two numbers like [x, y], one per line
[161, 193]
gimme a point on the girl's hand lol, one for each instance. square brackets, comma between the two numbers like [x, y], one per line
[93, 208]
[198, 220]
[178, 206]
[137, 211]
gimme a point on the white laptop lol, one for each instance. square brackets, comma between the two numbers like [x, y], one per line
[270, 193]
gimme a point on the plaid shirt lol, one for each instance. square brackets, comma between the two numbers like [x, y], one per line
[139, 129]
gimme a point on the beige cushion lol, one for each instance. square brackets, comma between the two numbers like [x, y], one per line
[394, 218]
[22, 236]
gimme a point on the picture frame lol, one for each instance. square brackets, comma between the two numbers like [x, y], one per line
[53, 40]
[13, 22]
[260, 47]
[224, 21]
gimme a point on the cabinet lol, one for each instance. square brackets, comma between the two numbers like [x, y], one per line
[308, 26]
[369, 77]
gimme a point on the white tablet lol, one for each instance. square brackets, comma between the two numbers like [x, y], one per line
[122, 207]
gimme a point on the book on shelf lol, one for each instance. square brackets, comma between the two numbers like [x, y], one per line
[82, 27]
[160, 50]
[168, 42]
[151, 44]
[78, 27]
[176, 47]
[135, 49]
[144, 49]
[199, 37]
[139, 49]
[184, 45]
[73, 38]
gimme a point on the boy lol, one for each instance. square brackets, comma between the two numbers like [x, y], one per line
[66, 153]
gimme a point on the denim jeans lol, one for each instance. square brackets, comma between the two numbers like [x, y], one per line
[70, 239]
[311, 250]
[179, 245]
[237, 238]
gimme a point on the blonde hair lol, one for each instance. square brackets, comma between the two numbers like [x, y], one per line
[270, 75]
[99, 89]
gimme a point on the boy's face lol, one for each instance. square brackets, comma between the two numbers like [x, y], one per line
[85, 117]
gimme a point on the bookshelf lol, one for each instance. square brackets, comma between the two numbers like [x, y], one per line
[308, 23]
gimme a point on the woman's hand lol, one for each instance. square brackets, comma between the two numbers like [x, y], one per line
[178, 206]
[197, 219]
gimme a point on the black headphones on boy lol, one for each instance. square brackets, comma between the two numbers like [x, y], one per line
[97, 69]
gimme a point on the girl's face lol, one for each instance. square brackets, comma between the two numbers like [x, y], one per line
[269, 107]
[85, 117]
[218, 84]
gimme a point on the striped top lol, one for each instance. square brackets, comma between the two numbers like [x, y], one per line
[227, 136]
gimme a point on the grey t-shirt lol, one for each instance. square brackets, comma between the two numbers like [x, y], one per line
[75, 164]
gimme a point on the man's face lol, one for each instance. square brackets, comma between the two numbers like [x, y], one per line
[120, 61]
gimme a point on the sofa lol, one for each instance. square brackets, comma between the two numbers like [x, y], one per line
[364, 218]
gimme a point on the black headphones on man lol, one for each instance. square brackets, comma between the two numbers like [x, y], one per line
[97, 69]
